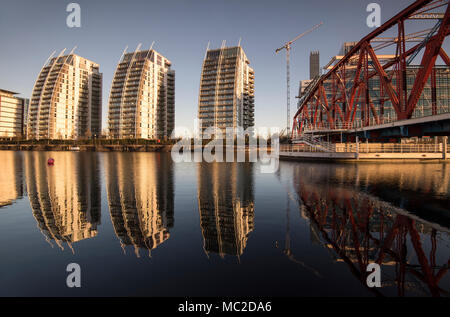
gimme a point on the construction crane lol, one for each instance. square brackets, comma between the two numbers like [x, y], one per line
[287, 47]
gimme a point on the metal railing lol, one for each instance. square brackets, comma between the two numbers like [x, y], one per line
[359, 124]
[388, 148]
[301, 148]
[313, 142]
[367, 148]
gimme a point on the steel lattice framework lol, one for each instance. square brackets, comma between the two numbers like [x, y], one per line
[363, 87]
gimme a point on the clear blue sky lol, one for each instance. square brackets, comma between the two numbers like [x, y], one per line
[31, 30]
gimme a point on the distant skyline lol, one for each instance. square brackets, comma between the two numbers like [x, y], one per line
[30, 31]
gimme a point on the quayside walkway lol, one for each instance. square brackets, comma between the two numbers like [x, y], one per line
[365, 151]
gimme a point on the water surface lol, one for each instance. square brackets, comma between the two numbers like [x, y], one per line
[139, 224]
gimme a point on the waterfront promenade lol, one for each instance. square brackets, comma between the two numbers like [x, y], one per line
[366, 151]
[88, 147]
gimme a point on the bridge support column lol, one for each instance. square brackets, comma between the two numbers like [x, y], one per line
[357, 148]
[444, 147]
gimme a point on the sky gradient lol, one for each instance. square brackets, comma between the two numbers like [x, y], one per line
[181, 29]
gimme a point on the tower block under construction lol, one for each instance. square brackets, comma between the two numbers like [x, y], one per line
[142, 97]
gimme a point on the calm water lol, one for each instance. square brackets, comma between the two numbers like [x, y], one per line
[139, 224]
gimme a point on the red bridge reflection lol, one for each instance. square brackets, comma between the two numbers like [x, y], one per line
[361, 228]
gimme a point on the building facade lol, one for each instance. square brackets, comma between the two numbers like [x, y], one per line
[66, 102]
[303, 85]
[12, 114]
[227, 85]
[314, 65]
[142, 97]
[346, 48]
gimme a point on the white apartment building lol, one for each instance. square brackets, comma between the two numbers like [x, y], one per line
[227, 90]
[66, 102]
[142, 97]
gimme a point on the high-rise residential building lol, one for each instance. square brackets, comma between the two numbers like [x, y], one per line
[314, 65]
[226, 90]
[66, 102]
[12, 114]
[142, 97]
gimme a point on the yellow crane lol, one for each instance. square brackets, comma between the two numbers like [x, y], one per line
[287, 47]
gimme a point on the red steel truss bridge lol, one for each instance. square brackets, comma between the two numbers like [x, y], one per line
[393, 83]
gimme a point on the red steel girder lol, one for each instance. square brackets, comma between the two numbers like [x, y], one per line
[384, 79]
[444, 56]
[354, 88]
[343, 104]
[393, 21]
[428, 61]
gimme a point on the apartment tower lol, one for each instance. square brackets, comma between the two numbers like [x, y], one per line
[142, 97]
[226, 98]
[12, 114]
[66, 102]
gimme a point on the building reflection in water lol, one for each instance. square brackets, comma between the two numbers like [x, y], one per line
[226, 206]
[11, 177]
[140, 190]
[65, 198]
[360, 228]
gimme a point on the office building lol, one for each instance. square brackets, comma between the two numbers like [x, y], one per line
[226, 90]
[12, 114]
[303, 85]
[66, 102]
[142, 97]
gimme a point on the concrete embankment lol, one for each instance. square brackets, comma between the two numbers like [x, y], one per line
[364, 157]
[356, 152]
[87, 148]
